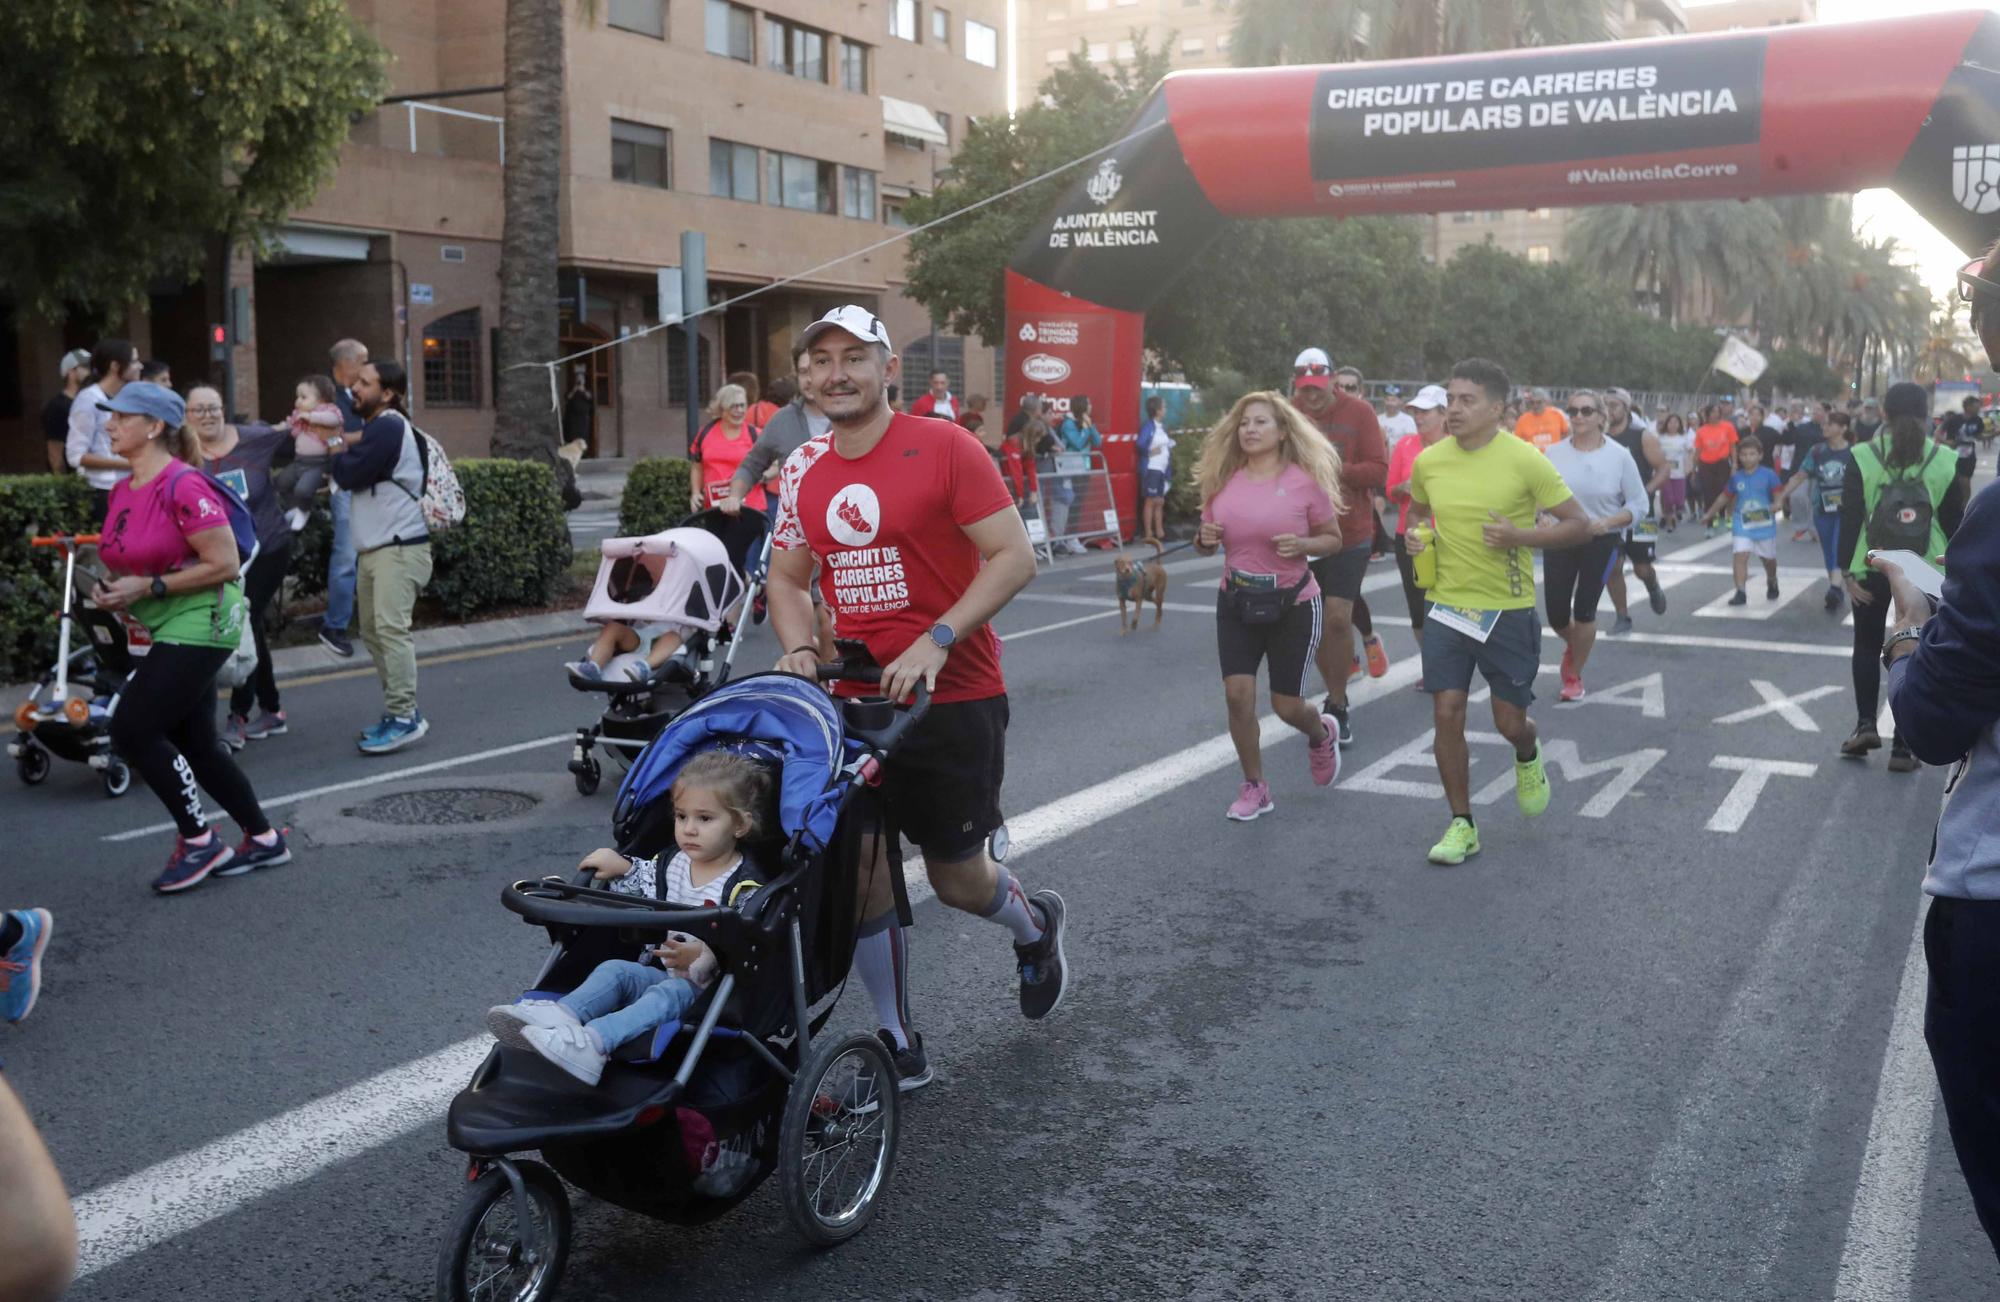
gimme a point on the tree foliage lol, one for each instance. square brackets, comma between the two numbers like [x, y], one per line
[1346, 31]
[132, 133]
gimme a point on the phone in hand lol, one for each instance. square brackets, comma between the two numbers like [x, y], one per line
[1928, 579]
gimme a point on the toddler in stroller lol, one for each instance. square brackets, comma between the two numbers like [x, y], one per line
[715, 800]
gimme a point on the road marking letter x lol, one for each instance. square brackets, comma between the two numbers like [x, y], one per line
[1785, 707]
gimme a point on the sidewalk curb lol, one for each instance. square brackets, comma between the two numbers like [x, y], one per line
[298, 661]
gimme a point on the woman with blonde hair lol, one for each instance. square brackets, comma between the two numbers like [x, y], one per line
[720, 448]
[1270, 499]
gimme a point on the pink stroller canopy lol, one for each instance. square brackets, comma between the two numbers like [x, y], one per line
[682, 576]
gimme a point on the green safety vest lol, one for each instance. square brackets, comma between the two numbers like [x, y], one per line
[1938, 468]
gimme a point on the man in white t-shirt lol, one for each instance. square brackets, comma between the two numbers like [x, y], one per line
[1395, 421]
[114, 363]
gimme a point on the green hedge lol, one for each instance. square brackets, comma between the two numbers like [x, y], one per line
[31, 577]
[656, 496]
[1183, 502]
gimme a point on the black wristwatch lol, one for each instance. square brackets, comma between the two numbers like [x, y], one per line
[159, 586]
[1913, 633]
[942, 637]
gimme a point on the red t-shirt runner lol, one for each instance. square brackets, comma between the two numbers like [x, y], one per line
[887, 531]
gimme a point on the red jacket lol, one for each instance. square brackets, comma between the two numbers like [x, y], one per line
[925, 405]
[1349, 423]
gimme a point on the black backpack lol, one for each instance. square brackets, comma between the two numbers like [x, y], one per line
[1902, 515]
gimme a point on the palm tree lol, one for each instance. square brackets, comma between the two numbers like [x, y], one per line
[525, 424]
[1345, 31]
[1941, 354]
[1669, 252]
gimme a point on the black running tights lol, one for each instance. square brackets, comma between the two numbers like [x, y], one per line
[164, 727]
[1870, 620]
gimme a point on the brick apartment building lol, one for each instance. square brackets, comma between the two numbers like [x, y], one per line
[789, 131]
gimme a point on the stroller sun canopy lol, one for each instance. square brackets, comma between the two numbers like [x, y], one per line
[786, 713]
[682, 576]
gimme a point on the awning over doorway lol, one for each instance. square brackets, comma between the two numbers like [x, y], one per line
[912, 122]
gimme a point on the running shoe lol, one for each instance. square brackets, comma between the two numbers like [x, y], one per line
[1253, 801]
[1804, 535]
[1324, 758]
[1339, 713]
[1623, 624]
[913, 1069]
[250, 856]
[375, 730]
[584, 668]
[271, 723]
[1770, 592]
[392, 734]
[21, 966]
[1833, 596]
[1461, 842]
[1044, 974]
[509, 1022]
[1572, 685]
[1378, 659]
[1739, 599]
[1900, 758]
[1531, 784]
[191, 864]
[1863, 740]
[234, 729]
[569, 1047]
[1656, 596]
[336, 642]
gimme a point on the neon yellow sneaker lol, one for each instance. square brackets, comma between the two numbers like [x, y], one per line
[1531, 784]
[1461, 841]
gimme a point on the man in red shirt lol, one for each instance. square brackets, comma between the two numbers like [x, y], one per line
[1350, 424]
[937, 400]
[918, 546]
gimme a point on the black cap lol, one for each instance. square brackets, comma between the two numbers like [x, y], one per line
[1906, 399]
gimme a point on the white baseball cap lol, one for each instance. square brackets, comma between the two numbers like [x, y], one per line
[1430, 397]
[1312, 369]
[74, 358]
[855, 320]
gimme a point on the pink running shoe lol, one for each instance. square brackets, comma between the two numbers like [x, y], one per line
[1572, 688]
[1252, 801]
[1324, 759]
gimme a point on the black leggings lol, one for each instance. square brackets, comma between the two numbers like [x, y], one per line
[1413, 596]
[1573, 580]
[165, 728]
[1364, 623]
[260, 586]
[1870, 621]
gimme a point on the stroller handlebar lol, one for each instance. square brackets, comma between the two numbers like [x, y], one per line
[64, 540]
[885, 729]
[555, 902]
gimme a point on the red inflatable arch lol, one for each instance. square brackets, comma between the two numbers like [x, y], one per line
[1908, 103]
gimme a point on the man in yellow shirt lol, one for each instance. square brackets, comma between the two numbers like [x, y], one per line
[1540, 424]
[1480, 492]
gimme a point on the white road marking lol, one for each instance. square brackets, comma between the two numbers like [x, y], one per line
[1882, 1223]
[373, 780]
[1785, 707]
[1751, 777]
[1066, 599]
[1647, 695]
[1560, 754]
[131, 1215]
[1721, 542]
[1050, 628]
[1759, 606]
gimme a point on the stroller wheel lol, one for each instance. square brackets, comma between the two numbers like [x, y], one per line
[33, 765]
[837, 1146]
[588, 774]
[117, 778]
[489, 1256]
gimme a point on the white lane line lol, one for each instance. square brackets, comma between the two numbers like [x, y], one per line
[1189, 565]
[1652, 639]
[131, 1215]
[1050, 628]
[1881, 1244]
[1066, 599]
[386, 775]
[1757, 606]
[183, 1193]
[1718, 543]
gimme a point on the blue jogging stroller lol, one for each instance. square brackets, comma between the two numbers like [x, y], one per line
[690, 1118]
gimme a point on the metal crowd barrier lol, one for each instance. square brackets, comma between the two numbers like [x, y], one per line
[1071, 505]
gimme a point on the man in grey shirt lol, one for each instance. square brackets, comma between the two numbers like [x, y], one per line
[796, 422]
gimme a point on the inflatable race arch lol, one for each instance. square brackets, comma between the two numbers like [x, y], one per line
[1909, 103]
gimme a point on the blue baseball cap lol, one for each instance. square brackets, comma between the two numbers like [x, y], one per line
[144, 398]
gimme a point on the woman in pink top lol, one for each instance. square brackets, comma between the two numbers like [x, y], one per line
[1270, 498]
[1427, 409]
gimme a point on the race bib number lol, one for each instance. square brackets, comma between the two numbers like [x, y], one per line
[1475, 624]
[718, 493]
[1243, 581]
[1647, 530]
[1829, 501]
[1755, 513]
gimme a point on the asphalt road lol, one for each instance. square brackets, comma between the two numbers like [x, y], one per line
[1647, 1046]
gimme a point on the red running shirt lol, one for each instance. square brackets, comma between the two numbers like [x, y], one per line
[888, 531]
[718, 455]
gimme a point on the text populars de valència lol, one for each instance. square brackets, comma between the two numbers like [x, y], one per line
[1510, 102]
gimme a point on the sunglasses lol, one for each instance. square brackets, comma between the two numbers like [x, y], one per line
[1347, 388]
[1581, 411]
[1314, 368]
[1972, 284]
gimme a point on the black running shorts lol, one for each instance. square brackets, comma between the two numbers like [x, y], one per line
[943, 782]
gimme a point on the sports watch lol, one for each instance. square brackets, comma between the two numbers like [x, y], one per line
[158, 587]
[942, 637]
[1913, 633]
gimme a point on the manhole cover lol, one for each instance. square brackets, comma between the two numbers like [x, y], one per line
[445, 806]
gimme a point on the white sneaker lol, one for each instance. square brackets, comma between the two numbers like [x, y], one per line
[508, 1021]
[568, 1047]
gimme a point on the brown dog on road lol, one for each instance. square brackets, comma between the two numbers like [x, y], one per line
[1139, 583]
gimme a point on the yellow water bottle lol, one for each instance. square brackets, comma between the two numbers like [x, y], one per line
[1425, 562]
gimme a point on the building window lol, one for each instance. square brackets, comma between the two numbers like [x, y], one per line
[1097, 52]
[1093, 6]
[641, 154]
[1494, 215]
[1193, 45]
[451, 360]
[1125, 50]
[646, 17]
[791, 181]
[1463, 218]
[1537, 212]
[1056, 56]
[982, 44]
[676, 368]
[854, 67]
[903, 19]
[950, 359]
[732, 170]
[944, 120]
[800, 51]
[729, 31]
[857, 194]
[892, 215]
[1538, 253]
[941, 27]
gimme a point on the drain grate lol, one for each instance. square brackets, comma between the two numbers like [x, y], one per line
[449, 805]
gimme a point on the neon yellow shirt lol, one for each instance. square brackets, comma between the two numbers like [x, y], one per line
[1462, 489]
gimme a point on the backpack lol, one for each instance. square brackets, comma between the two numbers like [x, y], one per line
[242, 524]
[1901, 519]
[443, 499]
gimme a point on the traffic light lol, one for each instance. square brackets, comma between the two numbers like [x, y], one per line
[218, 342]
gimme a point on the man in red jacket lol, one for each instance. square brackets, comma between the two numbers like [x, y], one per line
[937, 400]
[1349, 423]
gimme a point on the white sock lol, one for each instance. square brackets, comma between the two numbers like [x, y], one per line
[882, 956]
[1010, 908]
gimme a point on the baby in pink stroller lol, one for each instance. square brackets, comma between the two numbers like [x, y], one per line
[652, 595]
